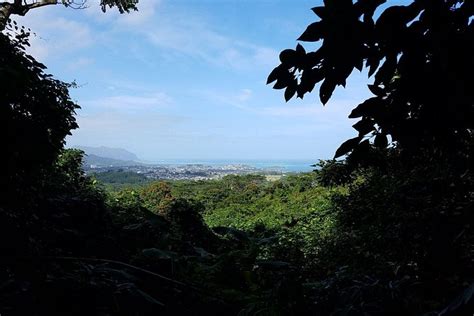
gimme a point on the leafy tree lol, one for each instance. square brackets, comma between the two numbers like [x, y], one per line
[21, 7]
[36, 114]
[408, 205]
[333, 172]
[420, 56]
[158, 198]
[69, 164]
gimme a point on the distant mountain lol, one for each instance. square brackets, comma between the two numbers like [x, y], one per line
[107, 152]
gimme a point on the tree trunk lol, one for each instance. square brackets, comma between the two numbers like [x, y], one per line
[6, 10]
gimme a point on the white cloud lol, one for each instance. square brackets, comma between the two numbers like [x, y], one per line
[238, 99]
[80, 63]
[185, 34]
[130, 103]
[334, 111]
[55, 36]
[177, 33]
[244, 95]
[197, 40]
[292, 111]
[146, 11]
[138, 132]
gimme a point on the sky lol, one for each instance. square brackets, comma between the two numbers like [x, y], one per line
[186, 79]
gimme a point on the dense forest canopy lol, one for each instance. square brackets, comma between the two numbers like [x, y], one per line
[385, 231]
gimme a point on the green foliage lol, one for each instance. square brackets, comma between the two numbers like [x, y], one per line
[157, 197]
[116, 180]
[410, 226]
[387, 234]
[122, 5]
[127, 206]
[400, 241]
[68, 167]
[270, 205]
[333, 172]
[293, 214]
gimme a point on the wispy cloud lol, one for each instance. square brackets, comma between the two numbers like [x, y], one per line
[130, 103]
[328, 117]
[195, 39]
[239, 99]
[80, 63]
[129, 131]
[185, 34]
[55, 36]
[249, 101]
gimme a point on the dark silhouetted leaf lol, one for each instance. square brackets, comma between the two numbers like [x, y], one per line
[288, 56]
[381, 141]
[326, 90]
[347, 146]
[281, 84]
[290, 92]
[373, 64]
[364, 126]
[300, 51]
[275, 74]
[378, 91]
[361, 151]
[319, 11]
[386, 71]
[359, 64]
[365, 108]
[313, 33]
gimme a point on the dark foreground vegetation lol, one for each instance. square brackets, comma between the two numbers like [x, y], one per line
[387, 231]
[373, 240]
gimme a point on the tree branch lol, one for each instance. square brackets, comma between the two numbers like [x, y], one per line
[19, 8]
[41, 4]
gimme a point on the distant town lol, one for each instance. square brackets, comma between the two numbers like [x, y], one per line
[104, 160]
[185, 171]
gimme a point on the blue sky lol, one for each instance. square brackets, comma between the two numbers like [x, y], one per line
[185, 79]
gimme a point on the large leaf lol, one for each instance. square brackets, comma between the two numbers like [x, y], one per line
[381, 141]
[290, 92]
[347, 146]
[377, 90]
[275, 74]
[288, 56]
[366, 108]
[320, 11]
[386, 72]
[364, 126]
[326, 90]
[314, 32]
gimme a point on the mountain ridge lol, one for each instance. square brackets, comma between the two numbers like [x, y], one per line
[109, 152]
